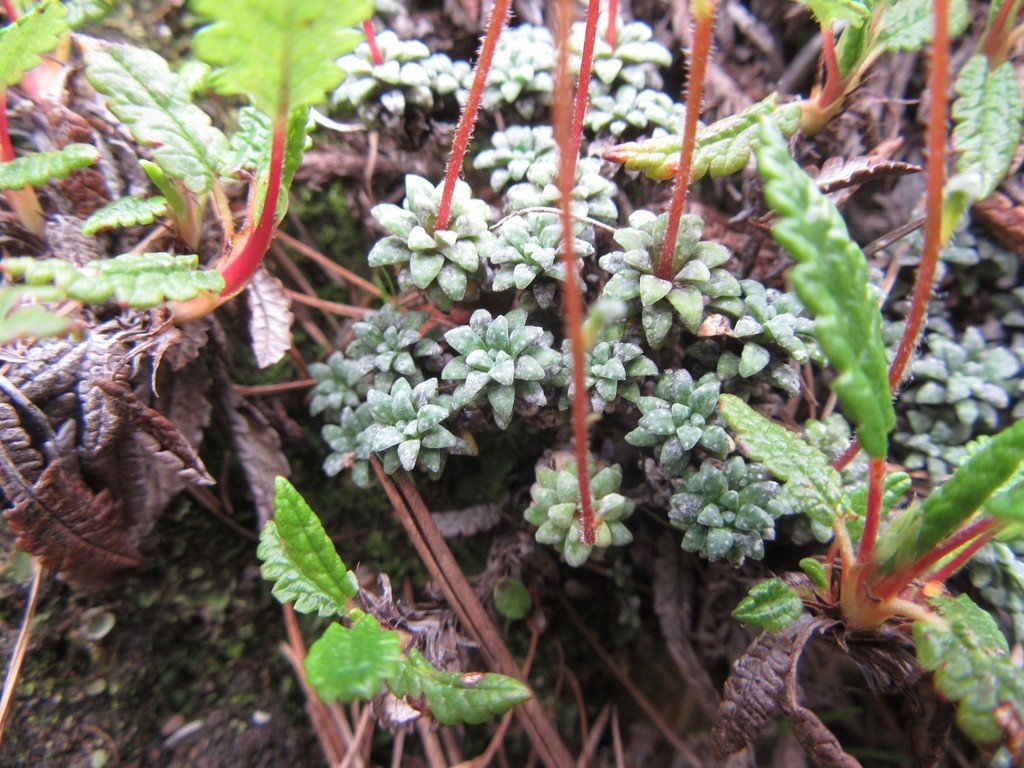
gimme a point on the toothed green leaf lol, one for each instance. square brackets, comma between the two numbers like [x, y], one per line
[771, 605]
[457, 697]
[808, 475]
[908, 25]
[37, 31]
[134, 279]
[19, 320]
[988, 114]
[284, 62]
[855, 12]
[40, 167]
[351, 664]
[299, 557]
[156, 105]
[972, 666]
[831, 279]
[125, 212]
[721, 148]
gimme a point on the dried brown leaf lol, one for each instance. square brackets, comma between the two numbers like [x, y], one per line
[1004, 216]
[469, 521]
[271, 318]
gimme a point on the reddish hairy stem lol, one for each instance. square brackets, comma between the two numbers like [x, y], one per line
[10, 10]
[964, 555]
[583, 84]
[832, 87]
[890, 585]
[613, 20]
[570, 288]
[938, 87]
[703, 26]
[499, 12]
[876, 485]
[846, 456]
[6, 148]
[371, 40]
[993, 44]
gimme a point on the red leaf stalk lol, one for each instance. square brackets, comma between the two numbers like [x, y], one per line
[10, 10]
[876, 486]
[962, 557]
[832, 88]
[613, 20]
[6, 148]
[583, 84]
[994, 44]
[570, 289]
[938, 88]
[894, 582]
[464, 132]
[704, 12]
[371, 40]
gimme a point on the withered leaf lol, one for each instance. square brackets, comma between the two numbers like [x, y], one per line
[270, 318]
[841, 173]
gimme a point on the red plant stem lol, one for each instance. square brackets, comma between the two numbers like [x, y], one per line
[703, 26]
[583, 84]
[832, 88]
[371, 40]
[962, 557]
[238, 267]
[846, 456]
[876, 486]
[11, 11]
[938, 87]
[994, 42]
[570, 288]
[890, 585]
[6, 148]
[613, 20]
[499, 12]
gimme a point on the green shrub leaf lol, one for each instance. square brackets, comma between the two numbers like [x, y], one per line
[287, 60]
[40, 167]
[134, 279]
[809, 477]
[971, 661]
[771, 605]
[300, 559]
[351, 664]
[457, 697]
[721, 148]
[831, 279]
[815, 571]
[988, 114]
[37, 31]
[19, 320]
[156, 105]
[856, 12]
[908, 25]
[125, 212]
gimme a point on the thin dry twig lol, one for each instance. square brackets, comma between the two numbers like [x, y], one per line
[329, 265]
[21, 645]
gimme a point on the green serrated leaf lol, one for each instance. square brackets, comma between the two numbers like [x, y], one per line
[854, 12]
[287, 60]
[299, 557]
[37, 31]
[156, 105]
[250, 151]
[721, 148]
[815, 571]
[19, 320]
[125, 212]
[987, 114]
[831, 279]
[771, 605]
[40, 167]
[82, 11]
[958, 195]
[972, 666]
[351, 664]
[908, 25]
[138, 280]
[457, 697]
[808, 475]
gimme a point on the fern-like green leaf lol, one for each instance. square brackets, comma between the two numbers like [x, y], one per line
[908, 25]
[279, 53]
[721, 148]
[988, 113]
[457, 697]
[351, 664]
[156, 105]
[40, 167]
[299, 557]
[37, 31]
[138, 280]
[771, 604]
[809, 477]
[20, 319]
[854, 12]
[972, 665]
[125, 212]
[831, 279]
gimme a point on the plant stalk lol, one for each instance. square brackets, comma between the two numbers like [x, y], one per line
[24, 201]
[613, 20]
[704, 22]
[995, 43]
[570, 288]
[941, 574]
[371, 40]
[583, 84]
[464, 132]
[938, 88]
[873, 515]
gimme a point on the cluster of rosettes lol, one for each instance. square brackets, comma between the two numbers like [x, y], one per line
[632, 111]
[517, 154]
[448, 264]
[729, 512]
[635, 59]
[612, 370]
[556, 508]
[593, 195]
[388, 344]
[408, 75]
[522, 71]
